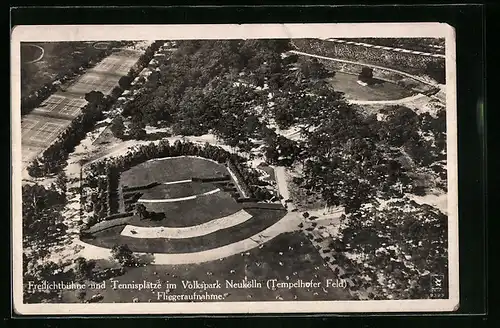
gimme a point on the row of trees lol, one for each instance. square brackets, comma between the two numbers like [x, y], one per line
[250, 182]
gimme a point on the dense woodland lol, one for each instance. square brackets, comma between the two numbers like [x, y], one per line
[393, 250]
[42, 227]
[235, 88]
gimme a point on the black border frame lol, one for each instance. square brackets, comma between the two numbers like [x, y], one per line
[469, 22]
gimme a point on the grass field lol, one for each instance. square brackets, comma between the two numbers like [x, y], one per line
[177, 190]
[58, 58]
[288, 257]
[261, 220]
[171, 169]
[192, 212]
[347, 83]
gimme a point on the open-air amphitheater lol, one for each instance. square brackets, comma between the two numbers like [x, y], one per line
[192, 205]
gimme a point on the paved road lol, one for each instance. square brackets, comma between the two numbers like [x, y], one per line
[44, 124]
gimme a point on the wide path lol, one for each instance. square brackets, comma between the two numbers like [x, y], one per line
[388, 102]
[188, 232]
[41, 127]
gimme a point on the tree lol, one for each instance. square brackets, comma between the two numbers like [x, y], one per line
[141, 211]
[80, 295]
[61, 181]
[123, 255]
[42, 218]
[35, 169]
[436, 70]
[366, 74]
[95, 97]
[118, 127]
[83, 268]
[124, 82]
[312, 69]
[137, 128]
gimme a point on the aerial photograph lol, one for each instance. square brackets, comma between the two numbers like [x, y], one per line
[234, 170]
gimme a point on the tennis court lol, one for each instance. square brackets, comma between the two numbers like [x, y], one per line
[41, 127]
[62, 105]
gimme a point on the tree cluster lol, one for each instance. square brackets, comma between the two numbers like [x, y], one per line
[351, 158]
[399, 247]
[43, 226]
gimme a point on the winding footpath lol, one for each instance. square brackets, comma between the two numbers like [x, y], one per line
[387, 102]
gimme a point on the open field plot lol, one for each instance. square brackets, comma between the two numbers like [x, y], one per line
[177, 190]
[261, 219]
[171, 169]
[119, 64]
[193, 211]
[94, 81]
[58, 58]
[382, 90]
[288, 257]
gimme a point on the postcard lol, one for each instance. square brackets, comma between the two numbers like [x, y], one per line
[228, 169]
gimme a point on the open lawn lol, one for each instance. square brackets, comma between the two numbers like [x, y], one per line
[261, 219]
[382, 90]
[287, 258]
[58, 58]
[171, 169]
[177, 190]
[191, 212]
